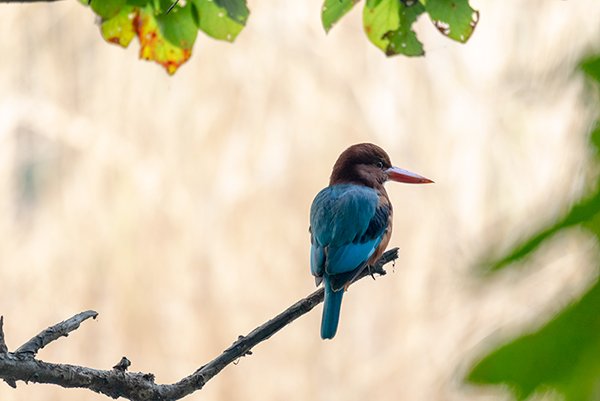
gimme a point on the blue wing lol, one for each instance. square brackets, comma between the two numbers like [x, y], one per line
[347, 224]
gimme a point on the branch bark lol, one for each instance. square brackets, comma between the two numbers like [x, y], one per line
[62, 329]
[22, 364]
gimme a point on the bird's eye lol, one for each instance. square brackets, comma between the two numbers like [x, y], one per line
[380, 164]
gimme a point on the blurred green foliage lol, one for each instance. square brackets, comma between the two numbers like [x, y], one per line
[564, 355]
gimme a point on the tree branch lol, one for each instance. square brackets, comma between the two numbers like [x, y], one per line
[22, 365]
[62, 329]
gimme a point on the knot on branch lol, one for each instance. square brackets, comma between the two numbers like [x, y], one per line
[123, 364]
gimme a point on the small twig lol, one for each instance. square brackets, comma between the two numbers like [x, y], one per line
[123, 364]
[172, 6]
[141, 386]
[3, 347]
[62, 329]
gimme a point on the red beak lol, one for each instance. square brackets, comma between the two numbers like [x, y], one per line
[401, 175]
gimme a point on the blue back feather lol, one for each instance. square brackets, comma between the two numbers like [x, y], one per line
[347, 223]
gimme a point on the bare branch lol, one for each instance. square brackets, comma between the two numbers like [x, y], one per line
[62, 329]
[21, 365]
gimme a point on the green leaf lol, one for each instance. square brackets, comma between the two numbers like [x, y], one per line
[168, 37]
[107, 8]
[237, 10]
[333, 10]
[162, 6]
[404, 40]
[119, 29]
[154, 46]
[453, 18]
[563, 355]
[379, 18]
[215, 21]
[388, 24]
[178, 26]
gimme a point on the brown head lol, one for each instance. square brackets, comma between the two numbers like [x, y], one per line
[367, 164]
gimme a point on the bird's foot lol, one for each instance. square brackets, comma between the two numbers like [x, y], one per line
[371, 271]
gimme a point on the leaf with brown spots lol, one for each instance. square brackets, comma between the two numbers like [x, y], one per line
[154, 46]
[379, 18]
[388, 24]
[404, 40]
[455, 19]
[119, 29]
[167, 29]
[141, 22]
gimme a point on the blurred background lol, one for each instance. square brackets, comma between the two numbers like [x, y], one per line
[177, 207]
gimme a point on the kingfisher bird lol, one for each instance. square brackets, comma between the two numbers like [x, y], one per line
[351, 223]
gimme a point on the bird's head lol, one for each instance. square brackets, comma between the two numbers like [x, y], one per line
[368, 164]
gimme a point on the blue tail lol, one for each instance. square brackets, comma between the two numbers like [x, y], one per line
[331, 310]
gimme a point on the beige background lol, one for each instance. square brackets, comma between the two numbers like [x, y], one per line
[177, 207]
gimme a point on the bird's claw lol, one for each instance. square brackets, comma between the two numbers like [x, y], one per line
[371, 272]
